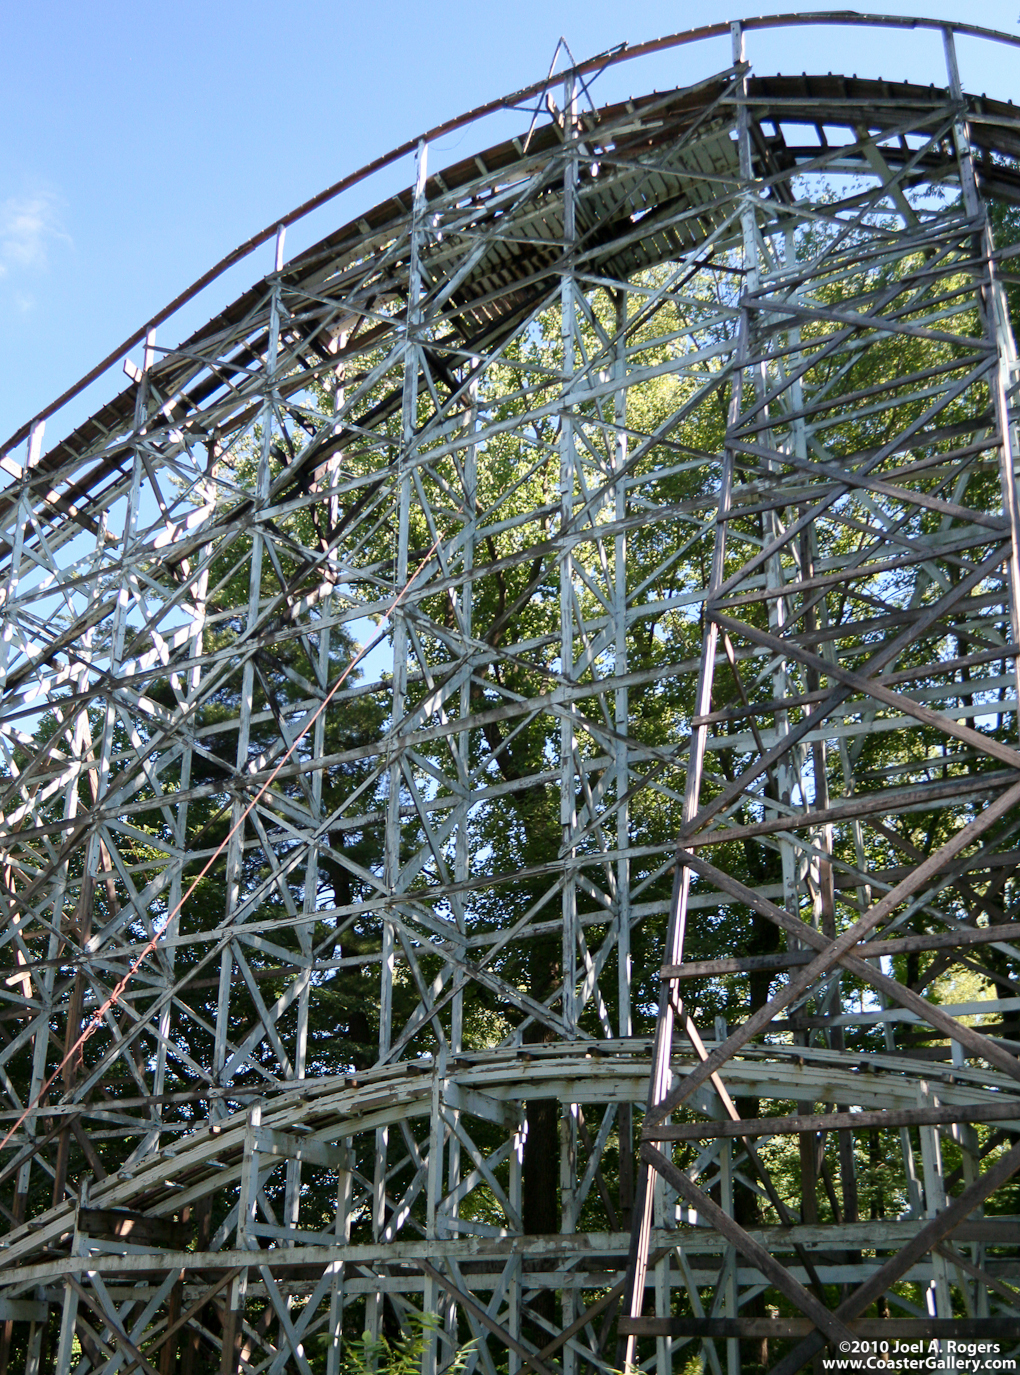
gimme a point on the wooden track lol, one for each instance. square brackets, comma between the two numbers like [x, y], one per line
[620, 961]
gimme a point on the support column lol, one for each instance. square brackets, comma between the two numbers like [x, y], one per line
[247, 1205]
[570, 781]
[661, 1070]
[235, 848]
[69, 1310]
[568, 746]
[405, 461]
[995, 319]
[342, 1233]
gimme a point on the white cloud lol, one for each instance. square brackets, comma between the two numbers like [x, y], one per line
[29, 225]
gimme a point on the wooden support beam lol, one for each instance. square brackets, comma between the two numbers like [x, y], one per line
[514, 374]
[962, 938]
[837, 1121]
[821, 1319]
[904, 1330]
[930, 1235]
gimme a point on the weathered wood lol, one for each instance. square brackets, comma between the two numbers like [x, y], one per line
[836, 1121]
[871, 686]
[940, 1226]
[478, 1312]
[502, 374]
[821, 1318]
[137, 1228]
[993, 1330]
[838, 951]
[22, 1310]
[864, 806]
[108, 1320]
[872, 949]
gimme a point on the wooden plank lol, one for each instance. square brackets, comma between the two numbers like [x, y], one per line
[868, 804]
[108, 1321]
[489, 1254]
[837, 1121]
[849, 478]
[293, 1147]
[215, 388]
[195, 1307]
[977, 1272]
[23, 1310]
[871, 686]
[138, 1228]
[992, 1330]
[821, 715]
[941, 940]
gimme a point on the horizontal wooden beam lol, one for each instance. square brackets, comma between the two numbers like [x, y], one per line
[990, 1330]
[837, 1121]
[905, 945]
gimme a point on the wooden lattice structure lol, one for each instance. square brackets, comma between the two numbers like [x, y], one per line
[619, 961]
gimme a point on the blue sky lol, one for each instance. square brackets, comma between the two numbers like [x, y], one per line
[142, 141]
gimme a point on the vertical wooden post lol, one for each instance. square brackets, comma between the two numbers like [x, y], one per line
[69, 1309]
[247, 1208]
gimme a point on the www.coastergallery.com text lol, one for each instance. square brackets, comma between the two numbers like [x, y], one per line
[930, 1355]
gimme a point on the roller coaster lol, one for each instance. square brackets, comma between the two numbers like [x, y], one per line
[510, 775]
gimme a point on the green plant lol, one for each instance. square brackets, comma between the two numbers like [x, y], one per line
[376, 1355]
